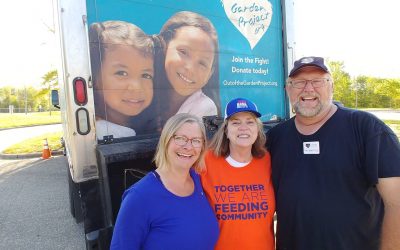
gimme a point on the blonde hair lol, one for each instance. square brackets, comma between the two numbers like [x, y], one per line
[171, 126]
[220, 142]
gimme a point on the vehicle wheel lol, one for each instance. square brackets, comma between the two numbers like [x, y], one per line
[74, 199]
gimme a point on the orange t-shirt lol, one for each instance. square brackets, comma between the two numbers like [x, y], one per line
[243, 201]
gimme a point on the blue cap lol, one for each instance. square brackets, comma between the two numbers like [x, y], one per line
[240, 105]
[309, 61]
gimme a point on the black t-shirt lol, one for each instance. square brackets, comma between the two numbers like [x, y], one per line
[328, 200]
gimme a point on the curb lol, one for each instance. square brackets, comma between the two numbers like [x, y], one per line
[27, 156]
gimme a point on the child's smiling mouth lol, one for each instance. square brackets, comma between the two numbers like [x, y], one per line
[185, 78]
[133, 101]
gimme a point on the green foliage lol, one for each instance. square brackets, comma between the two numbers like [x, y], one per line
[394, 125]
[30, 99]
[50, 79]
[20, 98]
[389, 90]
[23, 120]
[342, 83]
[6, 97]
[364, 91]
[378, 92]
[49, 82]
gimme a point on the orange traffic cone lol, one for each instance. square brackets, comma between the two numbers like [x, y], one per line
[46, 154]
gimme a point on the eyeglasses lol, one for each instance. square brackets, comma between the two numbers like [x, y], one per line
[182, 140]
[316, 83]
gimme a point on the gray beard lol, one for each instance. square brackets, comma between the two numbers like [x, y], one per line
[307, 112]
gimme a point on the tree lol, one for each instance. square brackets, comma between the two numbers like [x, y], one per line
[28, 98]
[389, 89]
[8, 97]
[50, 81]
[342, 83]
[23, 99]
[364, 91]
[362, 87]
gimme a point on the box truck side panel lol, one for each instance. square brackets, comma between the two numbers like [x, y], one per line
[249, 59]
[78, 119]
[129, 65]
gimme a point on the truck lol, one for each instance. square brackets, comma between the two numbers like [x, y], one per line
[252, 51]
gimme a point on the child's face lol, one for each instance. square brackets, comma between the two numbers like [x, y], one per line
[126, 80]
[189, 60]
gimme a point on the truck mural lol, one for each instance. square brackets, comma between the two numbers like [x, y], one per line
[126, 66]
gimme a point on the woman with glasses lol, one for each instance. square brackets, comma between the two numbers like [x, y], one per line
[167, 208]
[237, 180]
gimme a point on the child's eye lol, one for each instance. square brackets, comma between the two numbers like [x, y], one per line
[147, 76]
[203, 64]
[182, 51]
[121, 73]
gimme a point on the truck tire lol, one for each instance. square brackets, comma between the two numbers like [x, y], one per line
[74, 199]
[70, 195]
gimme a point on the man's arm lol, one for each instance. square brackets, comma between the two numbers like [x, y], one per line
[389, 189]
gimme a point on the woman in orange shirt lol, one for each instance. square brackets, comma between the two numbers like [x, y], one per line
[237, 180]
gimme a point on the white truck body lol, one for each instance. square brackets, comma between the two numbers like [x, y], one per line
[251, 65]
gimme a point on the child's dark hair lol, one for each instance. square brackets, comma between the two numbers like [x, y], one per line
[106, 35]
[187, 18]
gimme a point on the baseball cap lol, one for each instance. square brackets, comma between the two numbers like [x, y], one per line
[309, 61]
[240, 105]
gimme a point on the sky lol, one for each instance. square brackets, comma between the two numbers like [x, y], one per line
[364, 34]
[27, 47]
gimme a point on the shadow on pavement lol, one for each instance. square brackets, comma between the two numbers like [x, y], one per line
[34, 207]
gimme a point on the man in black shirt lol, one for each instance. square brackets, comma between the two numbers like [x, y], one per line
[336, 171]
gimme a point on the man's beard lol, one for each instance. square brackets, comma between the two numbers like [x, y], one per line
[311, 112]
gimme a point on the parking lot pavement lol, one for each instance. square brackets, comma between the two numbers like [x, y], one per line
[386, 114]
[34, 206]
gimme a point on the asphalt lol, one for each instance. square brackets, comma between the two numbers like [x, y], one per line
[34, 206]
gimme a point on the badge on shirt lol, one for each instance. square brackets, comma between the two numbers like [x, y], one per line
[311, 148]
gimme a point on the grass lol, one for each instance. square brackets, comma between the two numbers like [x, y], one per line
[394, 125]
[372, 109]
[35, 144]
[23, 120]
